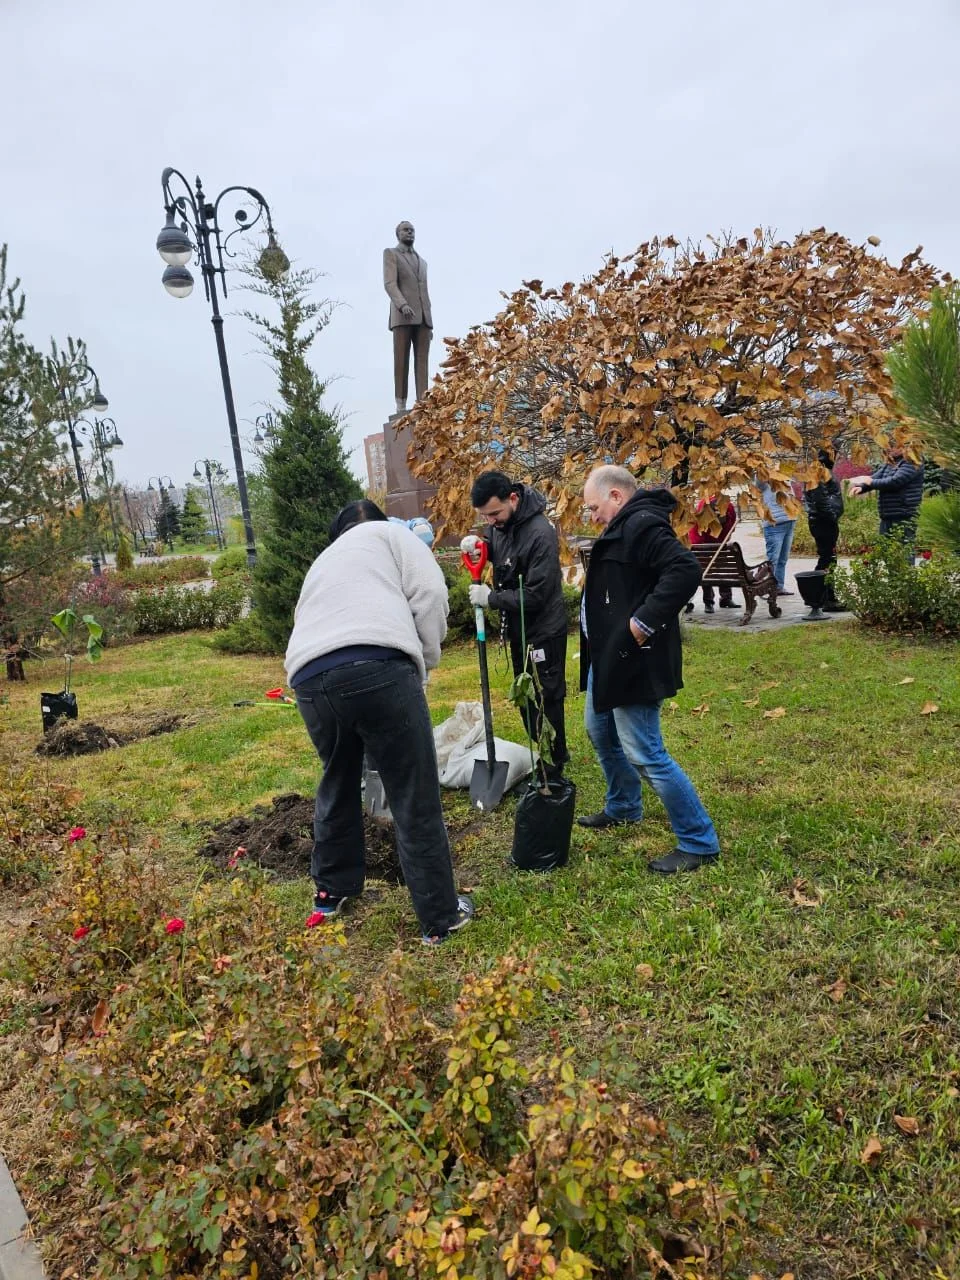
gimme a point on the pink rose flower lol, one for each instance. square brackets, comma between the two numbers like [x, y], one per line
[175, 925]
[77, 833]
[81, 932]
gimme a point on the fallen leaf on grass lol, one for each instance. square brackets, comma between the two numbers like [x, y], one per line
[909, 1125]
[99, 1021]
[700, 711]
[929, 709]
[872, 1151]
[775, 713]
[837, 991]
[54, 1041]
[752, 702]
[644, 971]
[771, 684]
[800, 895]
[906, 680]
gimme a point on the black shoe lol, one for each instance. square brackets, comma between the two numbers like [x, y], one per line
[688, 608]
[597, 821]
[781, 592]
[464, 916]
[729, 604]
[708, 608]
[680, 861]
[327, 905]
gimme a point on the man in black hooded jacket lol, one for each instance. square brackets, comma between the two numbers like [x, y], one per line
[639, 577]
[523, 543]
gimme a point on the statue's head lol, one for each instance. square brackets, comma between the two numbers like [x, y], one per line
[405, 232]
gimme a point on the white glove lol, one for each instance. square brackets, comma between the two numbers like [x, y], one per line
[479, 595]
[470, 544]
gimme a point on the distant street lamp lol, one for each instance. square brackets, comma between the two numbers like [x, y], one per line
[78, 373]
[192, 212]
[103, 436]
[212, 468]
[266, 431]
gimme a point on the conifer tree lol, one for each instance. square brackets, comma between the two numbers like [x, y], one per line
[192, 518]
[305, 470]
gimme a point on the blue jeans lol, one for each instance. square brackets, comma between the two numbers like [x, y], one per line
[778, 539]
[378, 707]
[629, 746]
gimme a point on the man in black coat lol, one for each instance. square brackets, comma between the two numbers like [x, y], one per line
[523, 544]
[639, 577]
[899, 486]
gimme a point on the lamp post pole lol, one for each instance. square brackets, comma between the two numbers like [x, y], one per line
[97, 430]
[78, 371]
[192, 209]
[211, 467]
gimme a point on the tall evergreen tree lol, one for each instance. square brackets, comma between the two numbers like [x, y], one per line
[192, 519]
[167, 519]
[305, 471]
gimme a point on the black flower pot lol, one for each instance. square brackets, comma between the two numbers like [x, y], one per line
[57, 706]
[543, 826]
[813, 590]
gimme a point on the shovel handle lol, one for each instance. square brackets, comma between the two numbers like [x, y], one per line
[475, 567]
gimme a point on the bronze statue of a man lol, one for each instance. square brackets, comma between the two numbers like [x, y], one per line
[405, 280]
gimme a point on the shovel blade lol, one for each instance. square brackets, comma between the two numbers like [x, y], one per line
[488, 784]
[375, 800]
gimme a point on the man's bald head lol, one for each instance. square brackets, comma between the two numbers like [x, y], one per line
[607, 489]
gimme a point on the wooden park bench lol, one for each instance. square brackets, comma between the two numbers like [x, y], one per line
[726, 567]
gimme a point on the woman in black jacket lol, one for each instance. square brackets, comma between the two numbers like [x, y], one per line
[824, 509]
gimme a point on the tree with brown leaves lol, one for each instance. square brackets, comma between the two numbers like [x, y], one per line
[709, 370]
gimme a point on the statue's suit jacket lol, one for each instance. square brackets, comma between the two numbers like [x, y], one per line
[405, 280]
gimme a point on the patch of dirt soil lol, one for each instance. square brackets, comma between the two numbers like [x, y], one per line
[279, 838]
[83, 737]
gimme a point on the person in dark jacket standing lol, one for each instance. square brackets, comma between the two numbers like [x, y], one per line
[824, 508]
[638, 578]
[899, 485]
[523, 544]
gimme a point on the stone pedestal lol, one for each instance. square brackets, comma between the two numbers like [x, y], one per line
[407, 495]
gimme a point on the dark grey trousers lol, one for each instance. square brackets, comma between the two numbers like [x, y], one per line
[406, 336]
[378, 708]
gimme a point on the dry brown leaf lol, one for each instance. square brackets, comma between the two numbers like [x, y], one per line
[872, 1151]
[700, 711]
[644, 971]
[802, 897]
[909, 1125]
[874, 240]
[837, 991]
[100, 1015]
[775, 713]
[770, 684]
[907, 680]
[54, 1041]
[752, 702]
[929, 709]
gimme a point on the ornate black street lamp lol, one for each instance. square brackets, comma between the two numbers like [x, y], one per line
[104, 436]
[164, 483]
[74, 375]
[266, 429]
[191, 211]
[212, 468]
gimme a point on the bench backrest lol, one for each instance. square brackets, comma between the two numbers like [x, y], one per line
[729, 565]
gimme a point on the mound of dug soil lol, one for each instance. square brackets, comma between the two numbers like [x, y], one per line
[82, 737]
[279, 838]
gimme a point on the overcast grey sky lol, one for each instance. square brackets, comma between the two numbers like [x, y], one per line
[522, 139]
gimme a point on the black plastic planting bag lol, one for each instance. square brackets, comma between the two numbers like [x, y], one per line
[54, 706]
[542, 827]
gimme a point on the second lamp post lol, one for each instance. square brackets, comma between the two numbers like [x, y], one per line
[192, 211]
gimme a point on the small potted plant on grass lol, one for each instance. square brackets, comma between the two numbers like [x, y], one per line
[544, 820]
[57, 706]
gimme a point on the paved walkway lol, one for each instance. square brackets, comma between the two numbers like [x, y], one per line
[750, 537]
[19, 1258]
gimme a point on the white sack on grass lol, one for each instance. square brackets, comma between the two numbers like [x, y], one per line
[460, 741]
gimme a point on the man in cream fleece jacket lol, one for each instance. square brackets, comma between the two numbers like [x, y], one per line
[368, 627]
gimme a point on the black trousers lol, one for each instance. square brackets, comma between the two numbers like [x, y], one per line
[825, 533]
[551, 672]
[378, 708]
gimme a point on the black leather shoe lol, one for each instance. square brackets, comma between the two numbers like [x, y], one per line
[680, 861]
[688, 608]
[728, 604]
[597, 821]
[708, 608]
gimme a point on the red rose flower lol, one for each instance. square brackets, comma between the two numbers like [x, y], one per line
[317, 917]
[175, 925]
[81, 932]
[77, 833]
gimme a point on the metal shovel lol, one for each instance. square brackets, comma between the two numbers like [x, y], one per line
[489, 780]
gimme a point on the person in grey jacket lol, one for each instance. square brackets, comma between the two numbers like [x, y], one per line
[898, 483]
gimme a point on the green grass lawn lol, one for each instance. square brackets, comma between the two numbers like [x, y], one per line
[779, 1009]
